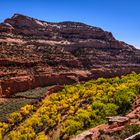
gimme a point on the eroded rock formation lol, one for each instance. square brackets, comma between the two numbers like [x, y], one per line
[37, 53]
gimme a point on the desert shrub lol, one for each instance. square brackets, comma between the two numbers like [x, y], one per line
[129, 130]
[14, 118]
[69, 128]
[124, 99]
[27, 109]
[4, 127]
[41, 136]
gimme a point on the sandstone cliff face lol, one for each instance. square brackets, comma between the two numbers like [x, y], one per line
[37, 53]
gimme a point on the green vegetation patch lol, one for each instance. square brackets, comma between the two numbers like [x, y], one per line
[74, 109]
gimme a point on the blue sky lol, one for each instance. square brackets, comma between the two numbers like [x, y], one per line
[121, 17]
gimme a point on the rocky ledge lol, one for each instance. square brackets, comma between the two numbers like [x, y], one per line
[36, 53]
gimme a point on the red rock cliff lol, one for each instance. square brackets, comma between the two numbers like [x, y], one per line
[37, 53]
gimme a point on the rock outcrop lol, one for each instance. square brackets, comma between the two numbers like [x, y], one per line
[37, 53]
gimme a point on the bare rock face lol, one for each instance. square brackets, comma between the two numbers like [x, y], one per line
[37, 53]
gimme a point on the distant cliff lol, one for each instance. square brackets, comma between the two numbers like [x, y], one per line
[36, 53]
